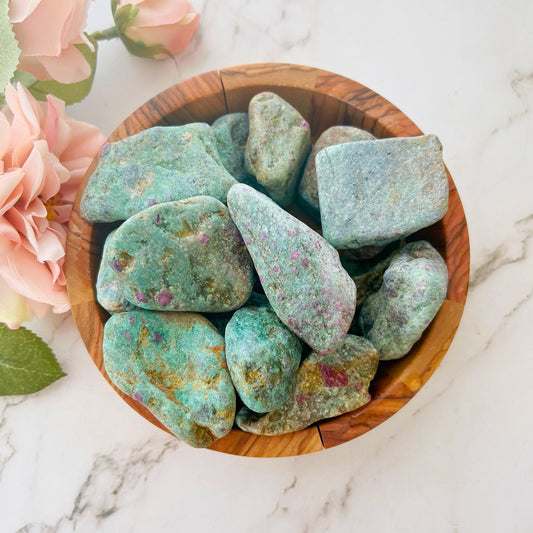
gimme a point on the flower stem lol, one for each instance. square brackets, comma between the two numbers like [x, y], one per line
[105, 35]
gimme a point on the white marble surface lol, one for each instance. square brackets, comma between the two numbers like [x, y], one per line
[459, 456]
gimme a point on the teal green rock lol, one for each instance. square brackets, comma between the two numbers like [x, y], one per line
[263, 358]
[300, 272]
[158, 165]
[231, 132]
[308, 188]
[175, 365]
[182, 256]
[108, 292]
[413, 289]
[326, 386]
[278, 145]
[375, 192]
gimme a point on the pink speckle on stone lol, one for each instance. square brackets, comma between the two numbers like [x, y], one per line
[151, 202]
[281, 297]
[157, 336]
[203, 238]
[131, 319]
[295, 254]
[305, 262]
[358, 386]
[164, 298]
[332, 377]
[318, 245]
[141, 297]
[304, 124]
[261, 279]
[139, 397]
[263, 236]
[246, 240]
[293, 270]
[319, 311]
[315, 304]
[340, 322]
[275, 269]
[127, 334]
[301, 398]
[158, 218]
[247, 224]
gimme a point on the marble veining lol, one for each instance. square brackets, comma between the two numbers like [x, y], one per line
[457, 458]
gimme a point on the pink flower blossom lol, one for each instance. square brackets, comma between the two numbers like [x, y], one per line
[47, 31]
[44, 155]
[169, 24]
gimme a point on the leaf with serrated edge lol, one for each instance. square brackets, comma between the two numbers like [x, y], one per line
[9, 49]
[27, 364]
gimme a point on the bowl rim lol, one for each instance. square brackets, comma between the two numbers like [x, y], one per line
[226, 90]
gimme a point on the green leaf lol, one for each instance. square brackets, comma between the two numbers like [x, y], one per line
[124, 17]
[70, 93]
[9, 48]
[26, 362]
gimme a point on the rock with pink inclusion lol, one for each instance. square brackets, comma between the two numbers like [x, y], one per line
[300, 272]
[327, 385]
[182, 256]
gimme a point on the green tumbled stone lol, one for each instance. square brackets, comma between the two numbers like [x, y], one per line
[158, 165]
[277, 147]
[108, 291]
[375, 192]
[263, 358]
[300, 272]
[326, 386]
[231, 132]
[413, 289]
[174, 364]
[308, 189]
[182, 256]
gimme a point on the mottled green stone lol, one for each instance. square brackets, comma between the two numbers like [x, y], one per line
[300, 272]
[231, 132]
[308, 188]
[158, 165]
[277, 147]
[326, 386]
[182, 256]
[375, 192]
[175, 365]
[108, 292]
[413, 289]
[263, 358]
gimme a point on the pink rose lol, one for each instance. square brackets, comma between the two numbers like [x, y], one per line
[47, 31]
[44, 154]
[155, 28]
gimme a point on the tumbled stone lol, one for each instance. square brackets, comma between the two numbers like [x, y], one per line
[158, 165]
[413, 289]
[300, 272]
[375, 192]
[326, 386]
[231, 132]
[278, 144]
[263, 358]
[108, 292]
[182, 256]
[308, 189]
[175, 365]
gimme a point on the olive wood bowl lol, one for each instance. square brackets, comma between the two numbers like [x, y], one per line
[324, 99]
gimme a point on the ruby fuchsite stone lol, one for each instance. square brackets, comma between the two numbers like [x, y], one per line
[413, 289]
[300, 272]
[108, 292]
[182, 256]
[277, 147]
[308, 188]
[326, 386]
[157, 165]
[375, 192]
[174, 364]
[231, 132]
[263, 358]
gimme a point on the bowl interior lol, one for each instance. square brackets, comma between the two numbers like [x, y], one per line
[325, 100]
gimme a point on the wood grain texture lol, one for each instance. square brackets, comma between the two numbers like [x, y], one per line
[324, 99]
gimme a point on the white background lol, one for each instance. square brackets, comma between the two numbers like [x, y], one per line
[459, 456]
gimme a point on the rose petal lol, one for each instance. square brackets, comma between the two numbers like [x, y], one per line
[21, 9]
[10, 189]
[70, 66]
[160, 12]
[14, 308]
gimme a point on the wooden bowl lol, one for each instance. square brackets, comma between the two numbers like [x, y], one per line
[325, 100]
